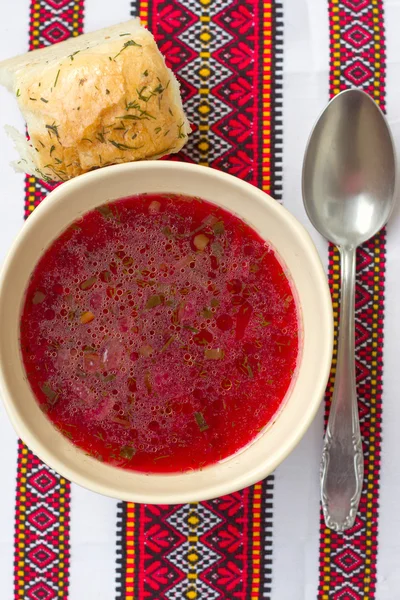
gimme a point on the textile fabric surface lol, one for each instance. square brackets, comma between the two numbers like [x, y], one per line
[254, 76]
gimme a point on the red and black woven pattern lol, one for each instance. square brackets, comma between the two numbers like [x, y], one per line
[348, 561]
[43, 497]
[228, 58]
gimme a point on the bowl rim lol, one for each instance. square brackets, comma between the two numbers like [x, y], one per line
[214, 489]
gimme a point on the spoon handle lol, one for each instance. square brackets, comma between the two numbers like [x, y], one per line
[342, 465]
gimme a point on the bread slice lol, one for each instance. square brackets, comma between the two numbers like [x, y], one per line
[102, 98]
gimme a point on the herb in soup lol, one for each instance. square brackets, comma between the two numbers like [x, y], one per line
[160, 333]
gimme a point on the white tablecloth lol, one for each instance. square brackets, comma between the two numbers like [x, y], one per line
[296, 494]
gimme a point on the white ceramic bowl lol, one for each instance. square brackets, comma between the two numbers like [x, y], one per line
[273, 223]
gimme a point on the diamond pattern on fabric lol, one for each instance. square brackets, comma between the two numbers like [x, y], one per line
[348, 562]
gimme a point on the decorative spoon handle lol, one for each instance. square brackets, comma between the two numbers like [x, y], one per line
[342, 465]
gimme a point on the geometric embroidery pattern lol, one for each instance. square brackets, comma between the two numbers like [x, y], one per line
[348, 561]
[41, 558]
[227, 55]
[42, 509]
[220, 549]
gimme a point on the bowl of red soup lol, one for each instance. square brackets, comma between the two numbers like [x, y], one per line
[166, 332]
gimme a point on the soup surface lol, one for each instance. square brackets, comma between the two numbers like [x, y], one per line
[160, 333]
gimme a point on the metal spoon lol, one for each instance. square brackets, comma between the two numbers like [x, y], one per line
[349, 174]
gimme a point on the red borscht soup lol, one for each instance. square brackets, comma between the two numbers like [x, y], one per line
[160, 333]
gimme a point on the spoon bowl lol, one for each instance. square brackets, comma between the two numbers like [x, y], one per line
[348, 171]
